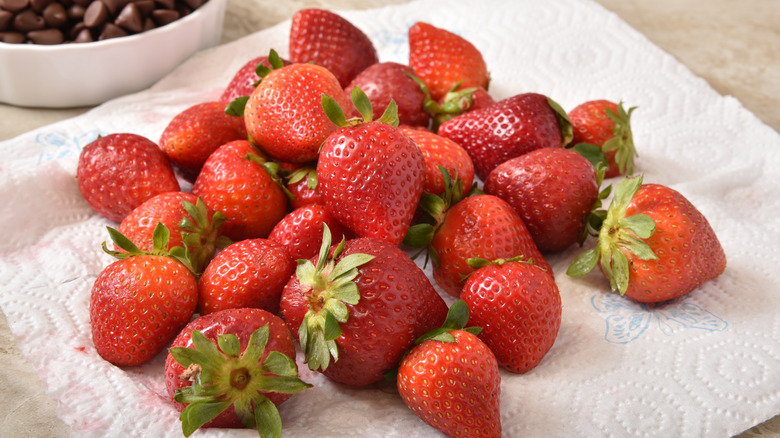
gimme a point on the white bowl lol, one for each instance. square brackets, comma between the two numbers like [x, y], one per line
[85, 74]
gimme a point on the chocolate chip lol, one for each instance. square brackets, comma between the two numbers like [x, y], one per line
[39, 5]
[130, 19]
[14, 5]
[96, 14]
[84, 36]
[76, 12]
[83, 3]
[145, 7]
[27, 21]
[12, 37]
[6, 18]
[46, 36]
[55, 15]
[114, 6]
[194, 4]
[166, 4]
[162, 17]
[111, 30]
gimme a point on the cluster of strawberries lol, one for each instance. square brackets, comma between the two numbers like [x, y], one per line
[304, 208]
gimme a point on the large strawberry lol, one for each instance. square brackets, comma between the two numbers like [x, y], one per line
[370, 173]
[509, 128]
[386, 81]
[440, 151]
[358, 309]
[328, 39]
[451, 380]
[249, 75]
[607, 125]
[654, 245]
[301, 230]
[118, 172]
[518, 307]
[139, 303]
[231, 369]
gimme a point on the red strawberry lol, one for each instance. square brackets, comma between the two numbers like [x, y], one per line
[507, 129]
[139, 303]
[371, 174]
[654, 245]
[248, 273]
[358, 310]
[193, 134]
[118, 172]
[607, 125]
[451, 380]
[440, 151]
[518, 307]
[284, 115]
[302, 185]
[246, 78]
[443, 60]
[386, 81]
[231, 369]
[329, 40]
[457, 101]
[235, 181]
[553, 190]
[301, 230]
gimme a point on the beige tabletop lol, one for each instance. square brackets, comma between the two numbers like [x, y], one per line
[734, 45]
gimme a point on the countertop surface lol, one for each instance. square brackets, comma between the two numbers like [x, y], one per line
[735, 46]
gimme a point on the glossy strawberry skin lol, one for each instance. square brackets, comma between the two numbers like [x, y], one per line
[329, 40]
[509, 128]
[370, 178]
[303, 195]
[518, 307]
[592, 125]
[118, 172]
[552, 189]
[301, 230]
[453, 386]
[479, 226]
[397, 305]
[242, 323]
[386, 81]
[138, 305]
[242, 190]
[247, 273]
[244, 80]
[440, 151]
[284, 115]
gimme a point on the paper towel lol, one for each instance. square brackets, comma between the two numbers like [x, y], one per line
[705, 365]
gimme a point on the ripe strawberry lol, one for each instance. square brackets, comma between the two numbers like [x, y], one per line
[507, 129]
[654, 245]
[302, 185]
[443, 59]
[370, 173]
[439, 151]
[139, 303]
[386, 81]
[232, 369]
[247, 77]
[193, 134]
[329, 40]
[301, 230]
[451, 380]
[518, 307]
[553, 190]
[284, 116]
[118, 172]
[457, 101]
[247, 273]
[359, 309]
[607, 125]
[235, 181]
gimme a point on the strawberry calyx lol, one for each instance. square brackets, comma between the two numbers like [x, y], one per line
[201, 235]
[273, 169]
[160, 237]
[223, 376]
[565, 125]
[360, 100]
[457, 318]
[297, 175]
[618, 235]
[237, 105]
[330, 287]
[623, 141]
[456, 102]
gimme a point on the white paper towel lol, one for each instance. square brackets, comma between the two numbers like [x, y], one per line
[705, 365]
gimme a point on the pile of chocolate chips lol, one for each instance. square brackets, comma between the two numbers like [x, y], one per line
[80, 21]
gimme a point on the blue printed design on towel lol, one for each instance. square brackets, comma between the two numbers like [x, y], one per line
[57, 145]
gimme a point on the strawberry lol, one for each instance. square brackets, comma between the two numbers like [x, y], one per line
[507, 129]
[118, 172]
[518, 307]
[442, 59]
[370, 173]
[386, 81]
[284, 116]
[193, 134]
[553, 190]
[357, 309]
[247, 77]
[247, 273]
[654, 245]
[302, 185]
[450, 379]
[457, 101]
[235, 181]
[232, 368]
[439, 151]
[327, 39]
[607, 125]
[301, 230]
[139, 303]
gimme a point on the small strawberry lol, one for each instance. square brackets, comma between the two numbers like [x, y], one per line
[442, 59]
[301, 230]
[386, 81]
[654, 245]
[248, 76]
[450, 379]
[302, 185]
[440, 151]
[139, 303]
[457, 101]
[231, 369]
[236, 181]
[518, 307]
[607, 125]
[247, 273]
[328, 39]
[118, 172]
[509, 128]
